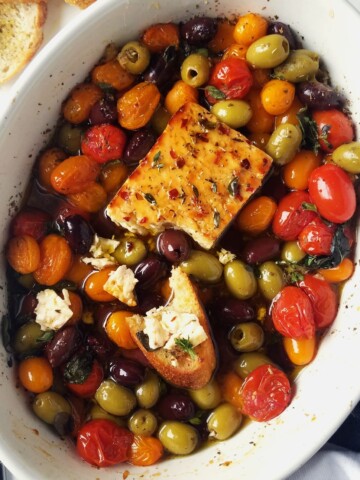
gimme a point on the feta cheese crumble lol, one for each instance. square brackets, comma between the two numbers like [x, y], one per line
[121, 284]
[52, 311]
[102, 250]
[225, 256]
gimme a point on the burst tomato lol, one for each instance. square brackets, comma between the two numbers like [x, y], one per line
[292, 313]
[291, 217]
[316, 238]
[88, 388]
[103, 443]
[333, 128]
[232, 77]
[103, 143]
[30, 221]
[323, 299]
[333, 193]
[266, 392]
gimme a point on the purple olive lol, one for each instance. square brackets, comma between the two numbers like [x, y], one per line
[199, 31]
[147, 301]
[284, 30]
[26, 308]
[163, 66]
[149, 271]
[63, 423]
[126, 372]
[174, 245]
[176, 406]
[260, 250]
[104, 226]
[137, 355]
[104, 110]
[232, 241]
[231, 311]
[138, 146]
[65, 342]
[275, 187]
[78, 233]
[319, 96]
[100, 346]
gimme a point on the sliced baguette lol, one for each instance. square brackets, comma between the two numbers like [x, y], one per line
[80, 3]
[21, 35]
[180, 368]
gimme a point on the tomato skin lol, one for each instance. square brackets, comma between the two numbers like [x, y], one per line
[333, 193]
[103, 443]
[103, 143]
[88, 388]
[266, 392]
[30, 221]
[316, 238]
[323, 298]
[336, 126]
[292, 313]
[290, 217]
[231, 76]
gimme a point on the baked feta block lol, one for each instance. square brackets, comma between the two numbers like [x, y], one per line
[121, 284]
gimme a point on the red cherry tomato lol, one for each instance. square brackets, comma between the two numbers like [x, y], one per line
[316, 238]
[88, 388]
[232, 77]
[334, 128]
[291, 217]
[333, 193]
[265, 393]
[103, 443]
[103, 143]
[30, 221]
[323, 299]
[292, 313]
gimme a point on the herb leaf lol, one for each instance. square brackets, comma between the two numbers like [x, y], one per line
[213, 184]
[197, 418]
[215, 92]
[78, 368]
[150, 198]
[155, 162]
[309, 206]
[186, 346]
[216, 219]
[46, 336]
[308, 127]
[234, 187]
[195, 190]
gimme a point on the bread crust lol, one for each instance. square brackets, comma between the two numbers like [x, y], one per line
[80, 3]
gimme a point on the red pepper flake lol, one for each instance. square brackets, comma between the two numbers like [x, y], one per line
[184, 122]
[249, 188]
[127, 219]
[124, 194]
[180, 162]
[265, 161]
[173, 154]
[245, 163]
[143, 220]
[218, 157]
[223, 129]
[138, 196]
[173, 194]
[203, 137]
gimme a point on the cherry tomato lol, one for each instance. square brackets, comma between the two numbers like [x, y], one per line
[104, 443]
[103, 143]
[292, 216]
[333, 193]
[334, 128]
[316, 238]
[231, 76]
[266, 392]
[323, 299]
[292, 313]
[30, 221]
[65, 210]
[88, 388]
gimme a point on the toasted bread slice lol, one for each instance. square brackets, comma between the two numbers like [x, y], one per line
[80, 3]
[21, 35]
[177, 366]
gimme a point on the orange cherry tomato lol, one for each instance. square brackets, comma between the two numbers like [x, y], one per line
[300, 351]
[235, 50]
[91, 199]
[249, 28]
[74, 174]
[94, 285]
[77, 107]
[231, 389]
[290, 115]
[256, 216]
[118, 330]
[36, 374]
[23, 254]
[160, 36]
[145, 451]
[137, 106]
[55, 260]
[277, 96]
[113, 75]
[180, 94]
[340, 273]
[47, 162]
[261, 121]
[297, 172]
[223, 37]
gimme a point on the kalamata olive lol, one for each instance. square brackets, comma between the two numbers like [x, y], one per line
[138, 146]
[275, 187]
[147, 301]
[30, 221]
[104, 226]
[233, 310]
[26, 308]
[149, 271]
[78, 233]
[126, 372]
[63, 423]
[137, 355]
[62, 346]
[100, 346]
[260, 250]
[176, 406]
[163, 66]
[199, 30]
[104, 110]
[284, 30]
[319, 96]
[174, 245]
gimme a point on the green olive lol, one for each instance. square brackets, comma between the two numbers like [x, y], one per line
[69, 138]
[203, 266]
[283, 143]
[195, 70]
[134, 57]
[240, 279]
[271, 279]
[160, 119]
[98, 413]
[247, 337]
[47, 405]
[235, 113]
[301, 65]
[131, 251]
[27, 281]
[207, 397]
[148, 392]
[348, 157]
[114, 398]
[292, 252]
[178, 438]
[268, 52]
[27, 338]
[247, 362]
[224, 421]
[142, 422]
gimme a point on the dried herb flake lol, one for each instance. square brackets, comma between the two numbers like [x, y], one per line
[215, 92]
[186, 346]
[150, 198]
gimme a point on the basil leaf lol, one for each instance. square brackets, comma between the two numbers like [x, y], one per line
[308, 127]
[215, 92]
[78, 368]
[234, 187]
